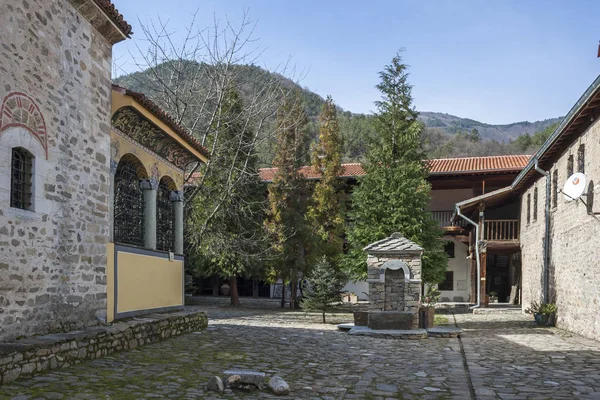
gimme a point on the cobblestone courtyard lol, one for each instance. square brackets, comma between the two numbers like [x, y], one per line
[504, 356]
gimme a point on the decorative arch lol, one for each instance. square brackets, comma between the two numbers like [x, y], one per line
[165, 214]
[395, 265]
[140, 169]
[18, 109]
[129, 201]
[168, 182]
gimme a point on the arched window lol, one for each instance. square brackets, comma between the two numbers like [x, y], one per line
[164, 215]
[581, 159]
[555, 188]
[535, 203]
[570, 166]
[21, 183]
[129, 203]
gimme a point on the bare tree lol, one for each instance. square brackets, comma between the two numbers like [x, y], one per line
[191, 72]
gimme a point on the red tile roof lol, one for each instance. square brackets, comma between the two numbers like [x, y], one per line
[440, 166]
[470, 165]
[114, 14]
[165, 117]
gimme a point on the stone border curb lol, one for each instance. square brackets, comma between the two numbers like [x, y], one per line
[28, 357]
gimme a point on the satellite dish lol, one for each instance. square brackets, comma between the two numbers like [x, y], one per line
[574, 186]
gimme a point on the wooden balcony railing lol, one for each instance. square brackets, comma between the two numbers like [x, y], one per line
[444, 218]
[501, 229]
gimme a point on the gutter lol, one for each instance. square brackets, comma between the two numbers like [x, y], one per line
[476, 255]
[546, 242]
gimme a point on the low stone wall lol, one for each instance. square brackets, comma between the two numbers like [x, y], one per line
[28, 357]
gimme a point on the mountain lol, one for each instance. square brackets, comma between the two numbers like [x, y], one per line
[445, 136]
[501, 133]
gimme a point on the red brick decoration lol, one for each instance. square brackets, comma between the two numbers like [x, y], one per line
[20, 110]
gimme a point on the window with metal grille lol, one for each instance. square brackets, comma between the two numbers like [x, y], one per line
[164, 217]
[581, 159]
[535, 202]
[570, 166]
[129, 205]
[528, 207]
[21, 186]
[555, 188]
[448, 283]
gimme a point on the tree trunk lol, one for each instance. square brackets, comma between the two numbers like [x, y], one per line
[282, 293]
[215, 285]
[233, 291]
[293, 293]
[324, 317]
[255, 289]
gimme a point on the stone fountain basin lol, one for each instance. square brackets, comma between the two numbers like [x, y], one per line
[392, 320]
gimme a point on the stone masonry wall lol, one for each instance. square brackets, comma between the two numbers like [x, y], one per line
[575, 246]
[28, 357]
[53, 259]
[377, 290]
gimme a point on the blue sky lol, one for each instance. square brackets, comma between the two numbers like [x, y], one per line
[493, 61]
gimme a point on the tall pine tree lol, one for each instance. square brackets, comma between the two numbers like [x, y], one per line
[287, 197]
[393, 196]
[325, 211]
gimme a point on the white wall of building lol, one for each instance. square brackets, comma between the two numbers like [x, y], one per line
[462, 276]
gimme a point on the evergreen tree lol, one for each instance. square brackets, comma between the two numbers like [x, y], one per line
[393, 196]
[324, 288]
[287, 197]
[232, 244]
[325, 214]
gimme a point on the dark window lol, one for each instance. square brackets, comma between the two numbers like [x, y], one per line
[448, 283]
[164, 217]
[129, 205]
[555, 188]
[570, 166]
[581, 159]
[21, 187]
[449, 249]
[590, 198]
[535, 203]
[528, 207]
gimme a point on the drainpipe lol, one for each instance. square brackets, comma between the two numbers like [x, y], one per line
[476, 255]
[546, 270]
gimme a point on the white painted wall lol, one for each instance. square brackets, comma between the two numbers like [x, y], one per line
[359, 288]
[462, 277]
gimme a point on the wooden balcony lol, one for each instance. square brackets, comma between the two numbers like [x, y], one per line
[444, 219]
[501, 231]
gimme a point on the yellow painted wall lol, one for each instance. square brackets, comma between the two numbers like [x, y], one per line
[147, 282]
[110, 282]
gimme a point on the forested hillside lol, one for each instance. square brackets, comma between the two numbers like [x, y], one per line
[445, 135]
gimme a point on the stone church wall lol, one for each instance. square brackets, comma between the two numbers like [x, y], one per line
[575, 240]
[55, 72]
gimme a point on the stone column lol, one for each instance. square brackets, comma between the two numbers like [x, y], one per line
[149, 189]
[177, 199]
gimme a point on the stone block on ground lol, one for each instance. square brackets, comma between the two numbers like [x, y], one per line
[247, 377]
[278, 386]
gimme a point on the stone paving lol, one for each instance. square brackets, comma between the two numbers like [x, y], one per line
[505, 356]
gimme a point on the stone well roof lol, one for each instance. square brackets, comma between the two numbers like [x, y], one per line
[393, 244]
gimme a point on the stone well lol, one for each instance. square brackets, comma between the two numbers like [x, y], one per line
[394, 277]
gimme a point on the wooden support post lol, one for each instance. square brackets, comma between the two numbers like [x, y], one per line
[484, 298]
